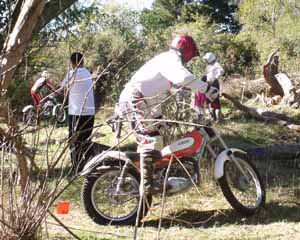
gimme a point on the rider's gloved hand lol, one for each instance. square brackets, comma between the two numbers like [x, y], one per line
[204, 78]
[160, 125]
[211, 93]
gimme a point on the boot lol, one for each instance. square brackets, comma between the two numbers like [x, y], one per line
[151, 186]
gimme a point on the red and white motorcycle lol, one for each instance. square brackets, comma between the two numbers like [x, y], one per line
[110, 191]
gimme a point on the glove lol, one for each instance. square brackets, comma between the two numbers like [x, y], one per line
[211, 93]
[160, 125]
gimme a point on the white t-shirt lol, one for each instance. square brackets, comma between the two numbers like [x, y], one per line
[81, 95]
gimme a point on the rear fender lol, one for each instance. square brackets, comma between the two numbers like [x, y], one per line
[221, 159]
[97, 161]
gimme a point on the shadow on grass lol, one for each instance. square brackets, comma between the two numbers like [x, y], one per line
[188, 218]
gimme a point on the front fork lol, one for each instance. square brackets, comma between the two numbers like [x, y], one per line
[121, 179]
[229, 154]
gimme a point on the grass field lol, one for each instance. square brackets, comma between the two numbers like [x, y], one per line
[204, 214]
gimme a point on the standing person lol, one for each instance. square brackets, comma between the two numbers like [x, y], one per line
[40, 83]
[143, 94]
[213, 72]
[78, 84]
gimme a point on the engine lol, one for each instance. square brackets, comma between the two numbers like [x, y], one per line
[180, 175]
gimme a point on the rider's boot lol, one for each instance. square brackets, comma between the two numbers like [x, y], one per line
[151, 185]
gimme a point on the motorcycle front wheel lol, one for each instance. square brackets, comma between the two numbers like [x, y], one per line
[245, 193]
[106, 205]
[59, 113]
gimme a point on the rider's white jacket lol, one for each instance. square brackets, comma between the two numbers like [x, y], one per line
[159, 74]
[156, 77]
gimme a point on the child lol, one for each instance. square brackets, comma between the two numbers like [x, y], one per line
[213, 72]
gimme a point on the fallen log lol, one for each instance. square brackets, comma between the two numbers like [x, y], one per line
[275, 152]
[266, 116]
[241, 86]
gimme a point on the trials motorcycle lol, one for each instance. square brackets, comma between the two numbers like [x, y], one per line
[110, 192]
[50, 108]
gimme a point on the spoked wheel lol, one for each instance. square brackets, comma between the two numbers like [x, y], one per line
[29, 117]
[107, 205]
[59, 113]
[245, 193]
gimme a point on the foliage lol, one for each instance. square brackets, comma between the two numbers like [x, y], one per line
[224, 13]
[6, 7]
[166, 13]
[273, 24]
[66, 22]
[116, 40]
[116, 50]
[3, 10]
[236, 53]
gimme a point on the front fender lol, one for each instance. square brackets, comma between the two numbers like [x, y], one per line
[99, 158]
[26, 108]
[221, 159]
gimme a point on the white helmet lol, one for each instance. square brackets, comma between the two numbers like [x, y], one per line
[46, 74]
[210, 57]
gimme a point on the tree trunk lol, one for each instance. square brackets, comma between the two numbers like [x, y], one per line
[18, 40]
[270, 69]
[12, 55]
[239, 86]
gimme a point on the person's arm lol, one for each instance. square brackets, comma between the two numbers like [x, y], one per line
[178, 74]
[65, 81]
[50, 85]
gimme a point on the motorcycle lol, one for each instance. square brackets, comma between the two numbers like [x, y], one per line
[49, 108]
[110, 192]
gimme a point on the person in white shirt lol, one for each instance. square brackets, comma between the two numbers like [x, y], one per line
[78, 85]
[143, 94]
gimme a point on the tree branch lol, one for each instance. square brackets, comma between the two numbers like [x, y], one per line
[53, 9]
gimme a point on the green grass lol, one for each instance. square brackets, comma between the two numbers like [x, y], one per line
[193, 215]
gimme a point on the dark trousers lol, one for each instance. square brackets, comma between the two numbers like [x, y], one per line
[80, 131]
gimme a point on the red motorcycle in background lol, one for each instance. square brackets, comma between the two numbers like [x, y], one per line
[49, 108]
[110, 191]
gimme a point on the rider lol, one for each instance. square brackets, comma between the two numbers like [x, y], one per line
[43, 81]
[143, 94]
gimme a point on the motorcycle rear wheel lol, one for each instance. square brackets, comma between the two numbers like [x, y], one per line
[246, 196]
[104, 206]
